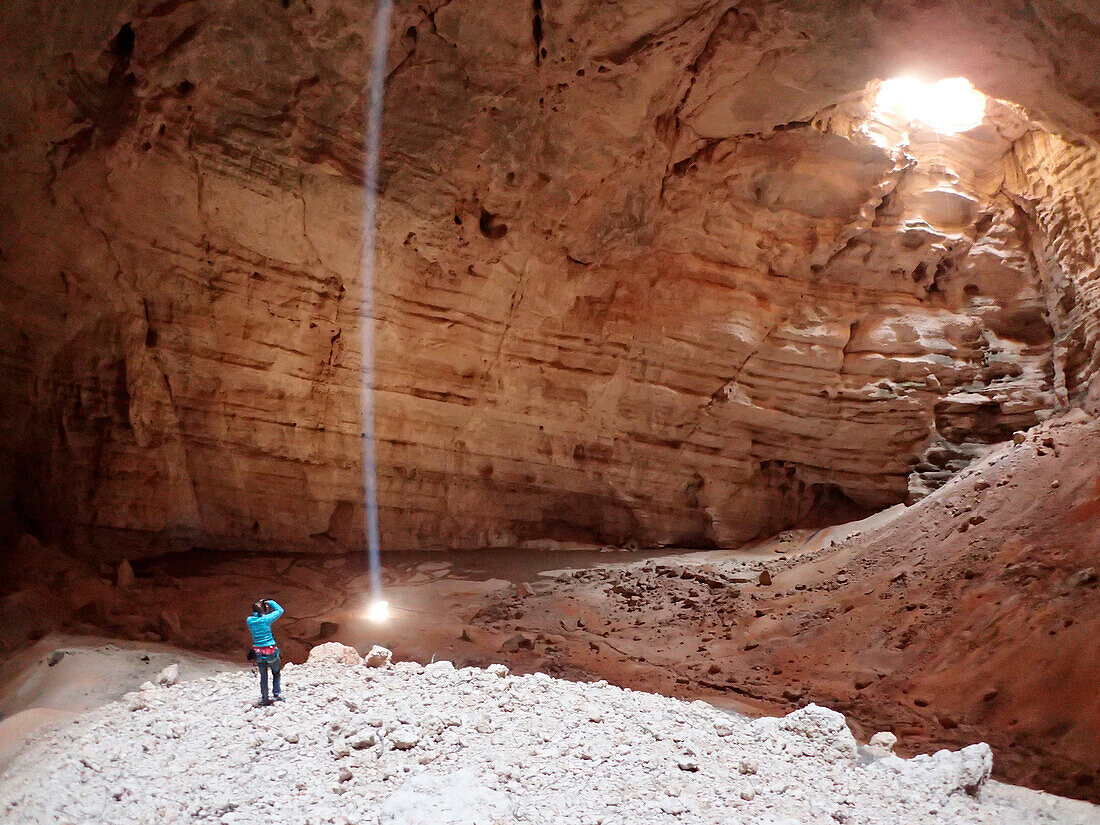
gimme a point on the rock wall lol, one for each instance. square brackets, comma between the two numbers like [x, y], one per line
[1054, 182]
[648, 273]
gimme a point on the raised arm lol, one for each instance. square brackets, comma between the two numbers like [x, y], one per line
[276, 612]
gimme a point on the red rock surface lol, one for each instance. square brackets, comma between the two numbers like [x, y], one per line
[651, 274]
[967, 616]
[645, 278]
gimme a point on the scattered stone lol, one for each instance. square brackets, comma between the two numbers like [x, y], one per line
[883, 741]
[364, 739]
[169, 676]
[405, 737]
[518, 642]
[378, 656]
[765, 578]
[498, 670]
[55, 657]
[1019, 437]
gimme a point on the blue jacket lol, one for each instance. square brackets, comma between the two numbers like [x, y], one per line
[260, 626]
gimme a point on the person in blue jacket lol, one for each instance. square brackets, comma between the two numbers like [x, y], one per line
[264, 650]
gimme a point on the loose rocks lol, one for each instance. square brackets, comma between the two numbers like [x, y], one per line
[404, 738]
[443, 746]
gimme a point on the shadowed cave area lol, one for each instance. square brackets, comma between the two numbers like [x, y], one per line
[736, 352]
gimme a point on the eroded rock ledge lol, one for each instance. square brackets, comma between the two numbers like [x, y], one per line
[646, 275]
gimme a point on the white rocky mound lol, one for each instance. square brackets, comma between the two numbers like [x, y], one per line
[439, 746]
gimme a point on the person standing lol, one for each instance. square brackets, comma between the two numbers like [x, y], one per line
[264, 650]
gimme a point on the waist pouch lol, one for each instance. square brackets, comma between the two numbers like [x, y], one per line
[267, 652]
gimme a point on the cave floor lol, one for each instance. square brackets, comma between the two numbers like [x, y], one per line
[685, 623]
[967, 617]
[563, 611]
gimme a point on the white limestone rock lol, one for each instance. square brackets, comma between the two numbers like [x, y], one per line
[169, 676]
[335, 652]
[378, 656]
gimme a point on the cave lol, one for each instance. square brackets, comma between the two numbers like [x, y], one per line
[746, 353]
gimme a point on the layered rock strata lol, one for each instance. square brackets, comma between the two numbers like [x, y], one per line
[648, 273]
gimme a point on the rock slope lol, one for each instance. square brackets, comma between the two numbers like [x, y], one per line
[435, 745]
[966, 616]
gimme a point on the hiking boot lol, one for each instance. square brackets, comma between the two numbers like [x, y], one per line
[279, 698]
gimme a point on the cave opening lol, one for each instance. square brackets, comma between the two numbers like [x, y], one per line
[744, 354]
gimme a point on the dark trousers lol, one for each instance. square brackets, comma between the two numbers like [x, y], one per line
[275, 665]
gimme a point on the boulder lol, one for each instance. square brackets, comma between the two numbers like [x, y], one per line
[169, 676]
[335, 652]
[378, 656]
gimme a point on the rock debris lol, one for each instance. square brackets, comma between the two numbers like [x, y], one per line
[435, 745]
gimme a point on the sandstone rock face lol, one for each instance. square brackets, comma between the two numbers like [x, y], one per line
[648, 273]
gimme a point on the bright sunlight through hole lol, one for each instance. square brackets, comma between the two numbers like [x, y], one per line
[950, 105]
[378, 611]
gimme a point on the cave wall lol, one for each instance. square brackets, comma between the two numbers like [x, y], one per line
[1054, 181]
[643, 276]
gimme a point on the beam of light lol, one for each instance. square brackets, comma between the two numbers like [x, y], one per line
[373, 117]
[948, 106]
